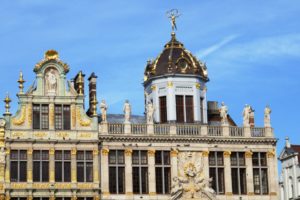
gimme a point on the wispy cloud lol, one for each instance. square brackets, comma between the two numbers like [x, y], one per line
[205, 52]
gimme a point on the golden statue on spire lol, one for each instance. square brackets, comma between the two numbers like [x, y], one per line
[173, 14]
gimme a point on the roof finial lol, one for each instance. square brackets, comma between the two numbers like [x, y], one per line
[287, 142]
[173, 14]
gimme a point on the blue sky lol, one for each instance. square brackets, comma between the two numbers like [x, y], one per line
[252, 49]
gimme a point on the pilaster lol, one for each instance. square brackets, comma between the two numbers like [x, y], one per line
[197, 106]
[104, 172]
[73, 165]
[128, 171]
[151, 164]
[227, 170]
[206, 164]
[7, 169]
[273, 182]
[171, 104]
[51, 165]
[96, 166]
[29, 165]
[249, 171]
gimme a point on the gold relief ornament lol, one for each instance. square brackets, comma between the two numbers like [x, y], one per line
[17, 134]
[18, 185]
[170, 84]
[63, 185]
[40, 134]
[29, 109]
[95, 152]
[128, 152]
[85, 135]
[20, 121]
[85, 186]
[174, 153]
[51, 115]
[248, 154]
[153, 87]
[2, 197]
[73, 113]
[29, 151]
[105, 151]
[63, 134]
[51, 55]
[198, 86]
[41, 185]
[151, 152]
[83, 122]
[73, 151]
[205, 153]
[96, 197]
[51, 151]
[271, 153]
[227, 154]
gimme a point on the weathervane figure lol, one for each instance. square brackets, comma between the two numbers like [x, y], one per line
[173, 14]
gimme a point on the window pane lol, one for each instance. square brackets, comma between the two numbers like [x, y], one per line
[36, 171]
[58, 171]
[36, 155]
[135, 157]
[88, 155]
[242, 159]
[235, 182]
[67, 155]
[58, 155]
[256, 181]
[220, 158]
[89, 172]
[255, 159]
[58, 117]
[158, 158]
[144, 157]
[167, 180]
[159, 181]
[189, 107]
[166, 157]
[179, 109]
[67, 172]
[263, 159]
[14, 168]
[112, 180]
[45, 155]
[212, 174]
[80, 155]
[23, 155]
[36, 116]
[221, 180]
[121, 159]
[67, 116]
[45, 117]
[136, 180]
[112, 157]
[233, 159]
[14, 155]
[121, 181]
[243, 181]
[23, 171]
[45, 172]
[163, 109]
[144, 180]
[212, 159]
[264, 181]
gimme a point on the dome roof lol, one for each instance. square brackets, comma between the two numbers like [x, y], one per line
[175, 59]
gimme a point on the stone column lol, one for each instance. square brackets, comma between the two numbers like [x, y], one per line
[204, 105]
[73, 165]
[171, 104]
[272, 176]
[29, 165]
[104, 173]
[249, 172]
[227, 172]
[205, 164]
[7, 169]
[96, 167]
[128, 172]
[174, 164]
[52, 166]
[73, 116]
[51, 116]
[197, 106]
[151, 165]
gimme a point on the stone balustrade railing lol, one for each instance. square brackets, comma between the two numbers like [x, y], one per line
[191, 130]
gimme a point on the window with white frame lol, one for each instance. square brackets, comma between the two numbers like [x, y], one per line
[162, 172]
[40, 165]
[84, 166]
[216, 171]
[116, 172]
[260, 173]
[18, 166]
[238, 173]
[140, 172]
[62, 166]
[184, 109]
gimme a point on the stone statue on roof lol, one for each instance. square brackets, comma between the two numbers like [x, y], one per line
[267, 116]
[246, 115]
[127, 111]
[223, 113]
[103, 108]
[150, 112]
[51, 82]
[173, 14]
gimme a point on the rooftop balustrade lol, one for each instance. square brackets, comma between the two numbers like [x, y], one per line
[184, 130]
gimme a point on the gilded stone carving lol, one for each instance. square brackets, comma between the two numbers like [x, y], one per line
[151, 152]
[51, 151]
[73, 175]
[29, 151]
[62, 134]
[95, 152]
[271, 153]
[105, 151]
[170, 84]
[227, 154]
[51, 115]
[82, 122]
[29, 111]
[73, 114]
[152, 193]
[18, 185]
[17, 134]
[198, 86]
[51, 55]
[29, 175]
[205, 153]
[63, 185]
[74, 151]
[41, 185]
[96, 197]
[85, 135]
[20, 121]
[174, 153]
[153, 87]
[128, 152]
[248, 154]
[40, 134]
[85, 186]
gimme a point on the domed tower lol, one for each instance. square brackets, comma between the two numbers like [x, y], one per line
[175, 82]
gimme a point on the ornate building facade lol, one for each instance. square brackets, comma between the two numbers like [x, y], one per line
[186, 147]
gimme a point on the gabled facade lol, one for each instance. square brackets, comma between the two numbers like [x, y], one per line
[289, 182]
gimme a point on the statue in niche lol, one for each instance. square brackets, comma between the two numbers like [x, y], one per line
[246, 115]
[223, 113]
[127, 111]
[51, 82]
[103, 108]
[150, 112]
[267, 117]
[2, 155]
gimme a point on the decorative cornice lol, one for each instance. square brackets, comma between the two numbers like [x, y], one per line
[51, 55]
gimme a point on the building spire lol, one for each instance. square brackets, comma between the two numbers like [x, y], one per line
[7, 101]
[173, 14]
[21, 82]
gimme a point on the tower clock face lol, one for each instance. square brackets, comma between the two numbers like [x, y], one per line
[182, 64]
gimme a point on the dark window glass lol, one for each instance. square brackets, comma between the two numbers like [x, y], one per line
[62, 117]
[163, 109]
[189, 106]
[238, 173]
[179, 109]
[62, 166]
[36, 116]
[216, 171]
[40, 116]
[140, 172]
[116, 172]
[45, 117]
[260, 173]
[163, 172]
[18, 166]
[40, 166]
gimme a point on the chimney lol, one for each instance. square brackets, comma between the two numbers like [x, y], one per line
[92, 92]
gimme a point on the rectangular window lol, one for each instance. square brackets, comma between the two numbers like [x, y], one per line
[63, 166]
[238, 173]
[179, 109]
[40, 116]
[19, 198]
[216, 171]
[85, 198]
[116, 172]
[163, 109]
[84, 166]
[18, 166]
[62, 117]
[140, 172]
[62, 198]
[260, 173]
[184, 109]
[163, 172]
[41, 198]
[40, 166]
[202, 109]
